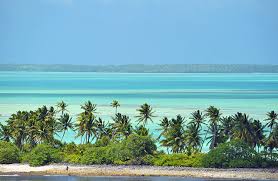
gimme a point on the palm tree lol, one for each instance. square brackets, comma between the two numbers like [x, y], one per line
[102, 128]
[272, 141]
[17, 124]
[142, 131]
[226, 127]
[5, 134]
[62, 107]
[86, 122]
[65, 123]
[145, 113]
[164, 126]
[214, 117]
[197, 118]
[121, 125]
[258, 133]
[115, 104]
[86, 127]
[89, 108]
[175, 135]
[243, 128]
[193, 137]
[272, 117]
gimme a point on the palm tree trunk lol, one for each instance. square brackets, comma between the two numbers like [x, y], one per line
[63, 135]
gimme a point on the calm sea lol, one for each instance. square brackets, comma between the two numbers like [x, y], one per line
[73, 178]
[169, 94]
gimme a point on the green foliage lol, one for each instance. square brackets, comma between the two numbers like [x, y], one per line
[41, 155]
[234, 154]
[180, 159]
[95, 155]
[9, 153]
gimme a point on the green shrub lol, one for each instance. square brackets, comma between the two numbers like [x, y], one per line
[234, 154]
[41, 155]
[95, 155]
[139, 146]
[181, 159]
[9, 153]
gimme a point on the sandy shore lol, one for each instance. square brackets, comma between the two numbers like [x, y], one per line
[109, 170]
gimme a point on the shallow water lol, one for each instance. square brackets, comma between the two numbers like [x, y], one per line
[169, 94]
[75, 178]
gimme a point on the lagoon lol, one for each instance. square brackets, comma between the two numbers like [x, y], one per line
[169, 93]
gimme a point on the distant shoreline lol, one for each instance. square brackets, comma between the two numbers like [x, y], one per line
[142, 68]
[132, 170]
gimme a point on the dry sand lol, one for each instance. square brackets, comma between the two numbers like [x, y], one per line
[110, 170]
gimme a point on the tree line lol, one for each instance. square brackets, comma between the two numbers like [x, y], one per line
[177, 135]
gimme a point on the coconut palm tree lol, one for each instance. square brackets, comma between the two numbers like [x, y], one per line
[102, 128]
[175, 135]
[214, 116]
[85, 127]
[17, 124]
[258, 129]
[272, 117]
[122, 125]
[193, 136]
[226, 127]
[163, 127]
[197, 118]
[62, 107]
[141, 130]
[89, 108]
[145, 114]
[243, 128]
[272, 140]
[65, 123]
[115, 104]
[4, 133]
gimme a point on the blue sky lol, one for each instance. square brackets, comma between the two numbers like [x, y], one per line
[138, 31]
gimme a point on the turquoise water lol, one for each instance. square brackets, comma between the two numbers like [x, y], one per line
[169, 94]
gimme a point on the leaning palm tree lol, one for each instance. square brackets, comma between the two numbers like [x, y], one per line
[65, 123]
[145, 114]
[163, 127]
[115, 104]
[272, 117]
[214, 116]
[62, 107]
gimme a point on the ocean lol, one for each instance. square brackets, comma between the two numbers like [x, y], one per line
[168, 93]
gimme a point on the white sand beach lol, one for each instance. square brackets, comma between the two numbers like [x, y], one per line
[111, 170]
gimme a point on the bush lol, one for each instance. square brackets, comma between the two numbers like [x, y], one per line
[234, 154]
[95, 155]
[9, 153]
[194, 160]
[41, 155]
[139, 146]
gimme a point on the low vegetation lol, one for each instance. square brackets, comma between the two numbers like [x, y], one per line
[236, 141]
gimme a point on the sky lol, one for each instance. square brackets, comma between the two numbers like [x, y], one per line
[101, 32]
